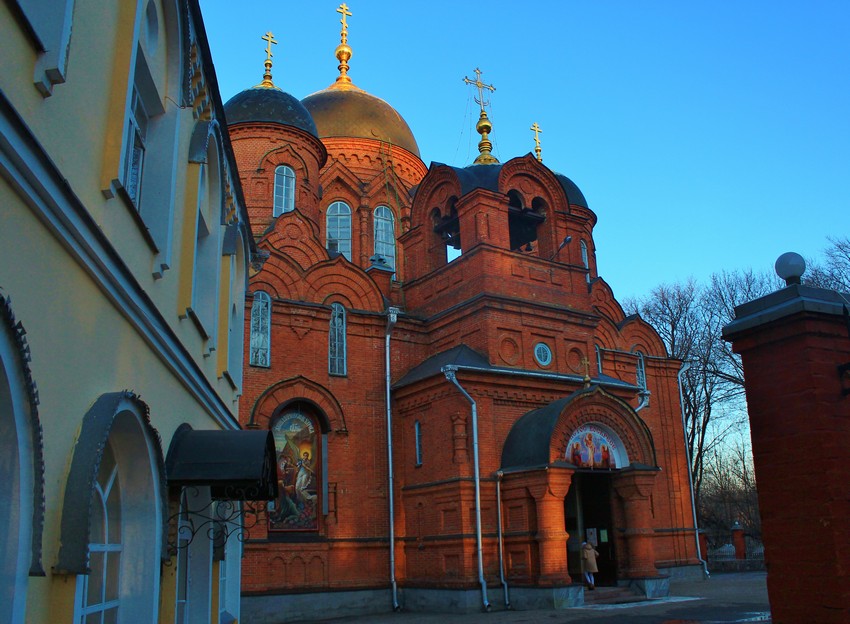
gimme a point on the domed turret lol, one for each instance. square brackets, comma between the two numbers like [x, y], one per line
[266, 102]
[345, 110]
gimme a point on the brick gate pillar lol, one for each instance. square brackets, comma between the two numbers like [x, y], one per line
[551, 534]
[634, 487]
[795, 348]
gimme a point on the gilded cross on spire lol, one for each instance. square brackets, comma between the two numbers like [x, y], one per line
[483, 127]
[267, 74]
[481, 86]
[343, 52]
[343, 10]
[586, 363]
[537, 133]
[270, 38]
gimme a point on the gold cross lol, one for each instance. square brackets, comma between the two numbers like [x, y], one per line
[481, 86]
[270, 38]
[537, 132]
[343, 10]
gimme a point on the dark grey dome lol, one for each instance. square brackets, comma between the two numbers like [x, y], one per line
[262, 104]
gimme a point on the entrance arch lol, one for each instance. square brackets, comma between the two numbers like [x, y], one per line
[605, 489]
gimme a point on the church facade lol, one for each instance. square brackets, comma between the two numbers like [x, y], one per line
[457, 399]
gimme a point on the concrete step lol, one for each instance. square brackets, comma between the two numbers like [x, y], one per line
[611, 595]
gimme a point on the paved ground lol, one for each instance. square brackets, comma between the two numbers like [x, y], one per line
[723, 599]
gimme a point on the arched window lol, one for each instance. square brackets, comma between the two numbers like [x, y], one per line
[284, 190]
[598, 359]
[298, 444]
[385, 235]
[585, 261]
[97, 592]
[640, 371]
[336, 341]
[339, 228]
[261, 321]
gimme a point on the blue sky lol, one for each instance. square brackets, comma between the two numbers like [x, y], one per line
[704, 135]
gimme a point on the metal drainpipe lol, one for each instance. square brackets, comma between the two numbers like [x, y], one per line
[392, 317]
[644, 400]
[450, 373]
[685, 367]
[504, 582]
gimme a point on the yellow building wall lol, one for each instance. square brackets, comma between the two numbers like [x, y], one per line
[82, 343]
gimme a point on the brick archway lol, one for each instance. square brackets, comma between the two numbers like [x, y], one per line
[598, 406]
[297, 389]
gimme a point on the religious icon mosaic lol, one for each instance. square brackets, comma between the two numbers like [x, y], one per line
[296, 508]
[591, 446]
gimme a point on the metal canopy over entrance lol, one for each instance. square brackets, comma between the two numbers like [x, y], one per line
[236, 465]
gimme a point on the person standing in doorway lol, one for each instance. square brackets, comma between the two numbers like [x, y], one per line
[588, 562]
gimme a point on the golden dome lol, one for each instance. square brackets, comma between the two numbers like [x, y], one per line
[351, 112]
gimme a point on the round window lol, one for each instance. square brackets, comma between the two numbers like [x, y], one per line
[543, 354]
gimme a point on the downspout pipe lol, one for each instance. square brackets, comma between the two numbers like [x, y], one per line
[451, 374]
[504, 582]
[644, 399]
[682, 371]
[392, 317]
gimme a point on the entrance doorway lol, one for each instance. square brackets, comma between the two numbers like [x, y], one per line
[587, 513]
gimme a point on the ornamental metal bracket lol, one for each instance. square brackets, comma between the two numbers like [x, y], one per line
[218, 520]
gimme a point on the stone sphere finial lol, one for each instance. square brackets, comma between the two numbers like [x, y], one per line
[790, 266]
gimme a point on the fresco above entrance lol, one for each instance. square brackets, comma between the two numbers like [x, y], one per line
[597, 447]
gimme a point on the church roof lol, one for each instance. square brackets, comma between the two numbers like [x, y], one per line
[487, 177]
[351, 112]
[527, 444]
[261, 104]
[460, 355]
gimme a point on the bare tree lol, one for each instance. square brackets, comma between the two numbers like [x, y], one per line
[833, 272]
[690, 318]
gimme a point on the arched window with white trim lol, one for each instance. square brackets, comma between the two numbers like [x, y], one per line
[337, 364]
[284, 190]
[640, 371]
[98, 597]
[585, 260]
[261, 322]
[385, 235]
[339, 228]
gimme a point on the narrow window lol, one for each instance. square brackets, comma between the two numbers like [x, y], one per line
[134, 157]
[585, 261]
[598, 359]
[284, 190]
[385, 235]
[261, 311]
[336, 341]
[641, 371]
[339, 229]
[98, 596]
[417, 429]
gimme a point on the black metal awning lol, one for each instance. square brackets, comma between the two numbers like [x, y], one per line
[236, 465]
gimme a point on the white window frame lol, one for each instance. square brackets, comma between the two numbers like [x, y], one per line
[384, 233]
[337, 347]
[284, 190]
[135, 457]
[640, 371]
[105, 486]
[338, 224]
[260, 353]
[134, 148]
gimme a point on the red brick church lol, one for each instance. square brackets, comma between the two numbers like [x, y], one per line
[458, 401]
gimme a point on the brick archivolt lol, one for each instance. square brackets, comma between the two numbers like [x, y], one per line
[617, 415]
[298, 389]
